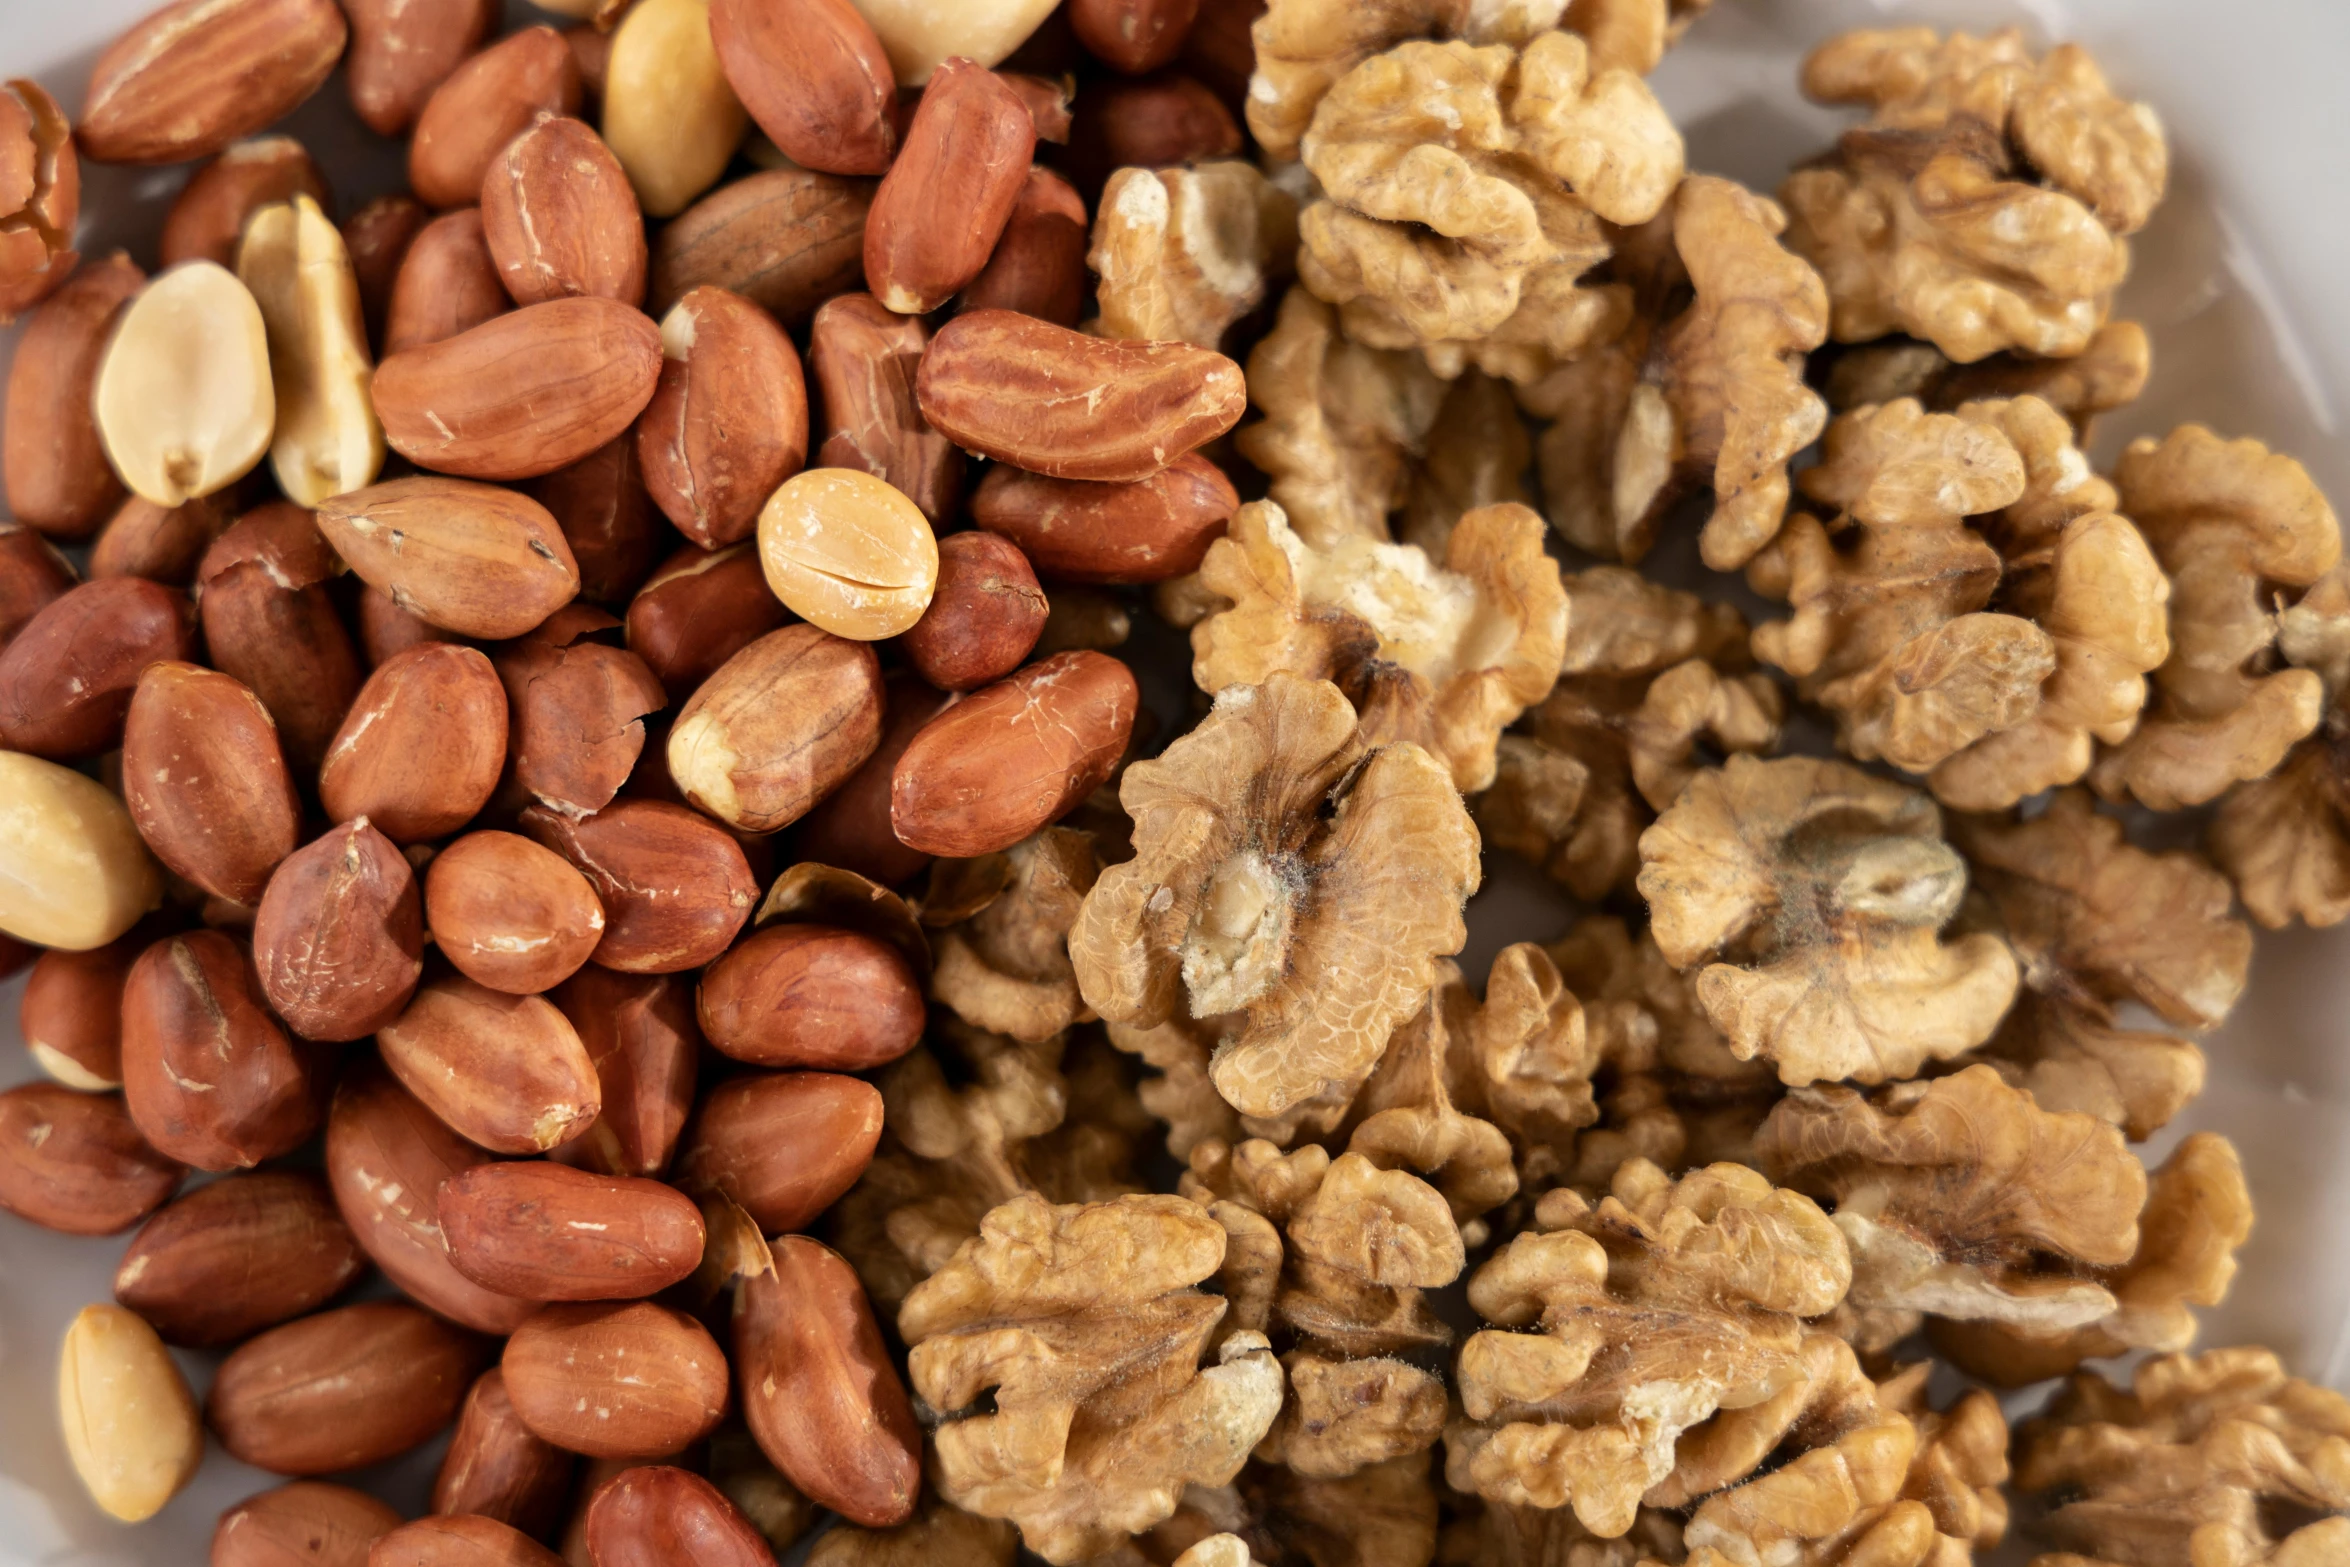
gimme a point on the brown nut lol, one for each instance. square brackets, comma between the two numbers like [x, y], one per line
[479, 560]
[459, 1540]
[697, 611]
[984, 616]
[421, 750]
[728, 421]
[1038, 267]
[510, 914]
[1047, 100]
[777, 727]
[193, 76]
[41, 190]
[67, 678]
[205, 781]
[850, 826]
[1076, 531]
[943, 204]
[402, 50]
[495, 1468]
[1219, 51]
[342, 1389]
[71, 1014]
[379, 237]
[639, 1030]
[484, 104]
[448, 283]
[210, 1078]
[578, 708]
[1015, 757]
[811, 996]
[675, 887]
[270, 621]
[668, 112]
[386, 1156]
[161, 543]
[1059, 403]
[819, 1390]
[782, 1145]
[208, 216]
[385, 629]
[237, 1256]
[865, 359]
[631, 1380]
[523, 393]
[57, 476]
[1133, 36]
[786, 240]
[1155, 123]
[339, 936]
[304, 1523]
[75, 1163]
[32, 577]
[658, 1514]
[541, 1231]
[814, 78]
[503, 1071]
[607, 518]
[560, 217]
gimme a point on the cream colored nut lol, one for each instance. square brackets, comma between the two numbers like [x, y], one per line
[73, 873]
[920, 35]
[669, 116]
[183, 398]
[328, 441]
[130, 1422]
[849, 553]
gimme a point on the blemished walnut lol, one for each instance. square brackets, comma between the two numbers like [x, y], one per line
[1703, 389]
[2110, 373]
[2236, 527]
[2198, 1213]
[999, 930]
[2208, 1458]
[938, 1535]
[1463, 193]
[971, 1119]
[2097, 924]
[1061, 1348]
[1975, 609]
[1667, 1302]
[1357, 1247]
[1819, 893]
[1442, 654]
[1654, 684]
[1962, 1198]
[1983, 205]
[1352, 436]
[1286, 870]
[1184, 253]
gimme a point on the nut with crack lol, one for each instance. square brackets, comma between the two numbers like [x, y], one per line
[1184, 253]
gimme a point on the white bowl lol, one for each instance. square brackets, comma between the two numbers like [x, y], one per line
[2236, 278]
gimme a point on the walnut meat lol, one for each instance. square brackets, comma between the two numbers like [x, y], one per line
[1287, 871]
[1184, 253]
[1083, 1323]
[1655, 682]
[2235, 527]
[2110, 373]
[1380, 1516]
[2195, 1464]
[1821, 891]
[1704, 388]
[1000, 933]
[1463, 189]
[938, 1535]
[1663, 1305]
[2096, 925]
[1358, 1245]
[1982, 206]
[1976, 609]
[1442, 655]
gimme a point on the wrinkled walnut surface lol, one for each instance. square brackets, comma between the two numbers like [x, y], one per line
[1184, 253]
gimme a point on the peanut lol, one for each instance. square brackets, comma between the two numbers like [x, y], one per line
[639, 1031]
[342, 1389]
[631, 1380]
[699, 609]
[674, 886]
[728, 421]
[657, 1514]
[210, 1077]
[496, 1468]
[73, 873]
[811, 996]
[75, 1163]
[560, 217]
[167, 91]
[327, 439]
[784, 1145]
[242, 1254]
[130, 1421]
[848, 552]
[71, 1014]
[943, 204]
[304, 1523]
[503, 1071]
[984, 617]
[669, 114]
[484, 104]
[54, 459]
[208, 216]
[540, 1231]
[338, 939]
[815, 78]
[183, 399]
[777, 727]
[510, 914]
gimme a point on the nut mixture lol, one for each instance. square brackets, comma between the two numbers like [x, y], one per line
[604, 739]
